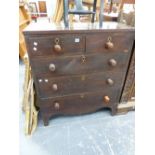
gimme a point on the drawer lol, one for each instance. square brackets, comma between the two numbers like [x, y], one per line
[56, 45]
[80, 64]
[109, 42]
[61, 86]
[81, 103]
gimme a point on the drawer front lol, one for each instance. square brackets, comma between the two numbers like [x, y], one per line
[53, 87]
[80, 64]
[56, 45]
[109, 42]
[81, 103]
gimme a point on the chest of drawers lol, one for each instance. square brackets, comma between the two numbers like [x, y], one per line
[78, 70]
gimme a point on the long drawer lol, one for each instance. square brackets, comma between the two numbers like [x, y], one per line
[80, 64]
[80, 103]
[60, 86]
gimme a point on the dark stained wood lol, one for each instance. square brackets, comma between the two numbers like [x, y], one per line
[79, 104]
[45, 45]
[53, 87]
[78, 70]
[75, 44]
[122, 41]
[72, 65]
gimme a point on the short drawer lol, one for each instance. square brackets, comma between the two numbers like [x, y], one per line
[56, 45]
[81, 103]
[60, 86]
[80, 64]
[109, 42]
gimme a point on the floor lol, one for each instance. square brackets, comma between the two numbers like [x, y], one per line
[92, 134]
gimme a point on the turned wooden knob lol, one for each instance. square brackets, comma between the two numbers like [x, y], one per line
[110, 81]
[106, 99]
[52, 67]
[57, 106]
[113, 62]
[57, 48]
[109, 44]
[55, 87]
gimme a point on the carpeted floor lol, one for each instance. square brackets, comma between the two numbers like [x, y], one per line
[92, 134]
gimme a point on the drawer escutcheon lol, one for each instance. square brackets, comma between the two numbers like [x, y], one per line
[83, 58]
[57, 46]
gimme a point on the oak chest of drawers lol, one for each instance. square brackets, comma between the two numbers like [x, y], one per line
[80, 69]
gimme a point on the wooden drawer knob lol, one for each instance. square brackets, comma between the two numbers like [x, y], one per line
[112, 62]
[52, 67]
[109, 44]
[55, 87]
[110, 81]
[56, 105]
[106, 99]
[57, 46]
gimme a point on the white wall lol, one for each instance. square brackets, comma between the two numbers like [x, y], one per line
[50, 4]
